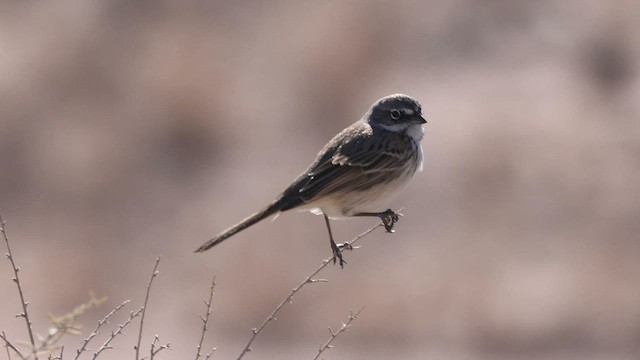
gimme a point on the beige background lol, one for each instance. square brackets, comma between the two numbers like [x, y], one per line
[131, 130]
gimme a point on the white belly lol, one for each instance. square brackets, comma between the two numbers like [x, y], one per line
[376, 199]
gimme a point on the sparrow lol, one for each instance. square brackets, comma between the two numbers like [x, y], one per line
[356, 173]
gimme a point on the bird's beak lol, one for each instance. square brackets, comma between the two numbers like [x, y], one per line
[419, 119]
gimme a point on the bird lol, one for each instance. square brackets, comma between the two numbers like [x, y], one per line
[356, 173]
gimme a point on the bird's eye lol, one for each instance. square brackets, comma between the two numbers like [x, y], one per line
[395, 114]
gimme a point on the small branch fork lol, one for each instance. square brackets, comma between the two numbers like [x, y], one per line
[334, 335]
[155, 349]
[310, 279]
[16, 280]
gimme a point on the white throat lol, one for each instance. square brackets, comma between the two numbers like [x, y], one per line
[416, 131]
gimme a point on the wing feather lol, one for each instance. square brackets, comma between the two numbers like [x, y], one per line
[355, 160]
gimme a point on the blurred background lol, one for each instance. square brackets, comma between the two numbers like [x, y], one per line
[132, 130]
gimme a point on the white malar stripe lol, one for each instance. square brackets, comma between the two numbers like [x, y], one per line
[396, 128]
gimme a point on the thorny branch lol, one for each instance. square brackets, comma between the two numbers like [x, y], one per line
[105, 320]
[16, 280]
[308, 280]
[205, 320]
[334, 335]
[107, 342]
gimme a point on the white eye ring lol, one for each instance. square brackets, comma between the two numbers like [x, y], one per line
[395, 114]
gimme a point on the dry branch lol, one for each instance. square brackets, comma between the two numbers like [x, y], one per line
[308, 280]
[16, 280]
[106, 345]
[144, 307]
[105, 320]
[205, 320]
[334, 335]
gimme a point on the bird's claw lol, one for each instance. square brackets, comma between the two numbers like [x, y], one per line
[389, 218]
[337, 254]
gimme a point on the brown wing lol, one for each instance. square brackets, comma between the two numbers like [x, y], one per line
[355, 160]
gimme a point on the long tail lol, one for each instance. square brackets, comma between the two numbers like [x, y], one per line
[266, 212]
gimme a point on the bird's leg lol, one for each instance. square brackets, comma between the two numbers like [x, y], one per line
[337, 253]
[388, 217]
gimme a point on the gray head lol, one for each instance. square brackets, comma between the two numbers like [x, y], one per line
[396, 113]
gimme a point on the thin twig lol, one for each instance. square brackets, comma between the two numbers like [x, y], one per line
[105, 320]
[16, 280]
[210, 353]
[106, 345]
[334, 335]
[155, 350]
[8, 345]
[144, 307]
[205, 318]
[308, 280]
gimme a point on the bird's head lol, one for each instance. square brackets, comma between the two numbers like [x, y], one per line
[396, 113]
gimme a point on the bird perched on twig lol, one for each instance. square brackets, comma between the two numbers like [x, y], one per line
[356, 173]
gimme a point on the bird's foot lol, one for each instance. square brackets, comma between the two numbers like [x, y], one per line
[337, 253]
[389, 218]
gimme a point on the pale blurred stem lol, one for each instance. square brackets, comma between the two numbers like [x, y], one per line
[205, 318]
[59, 357]
[16, 280]
[144, 307]
[308, 280]
[334, 335]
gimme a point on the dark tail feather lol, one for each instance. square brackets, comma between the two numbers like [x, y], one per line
[266, 212]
